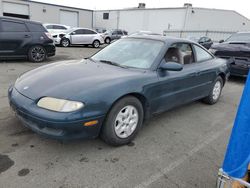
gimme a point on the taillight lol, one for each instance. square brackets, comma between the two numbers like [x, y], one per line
[49, 35]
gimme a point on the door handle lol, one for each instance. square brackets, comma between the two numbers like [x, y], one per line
[27, 36]
[197, 73]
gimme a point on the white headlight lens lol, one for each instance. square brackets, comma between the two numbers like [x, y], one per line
[59, 105]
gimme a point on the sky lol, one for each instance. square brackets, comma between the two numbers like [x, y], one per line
[241, 6]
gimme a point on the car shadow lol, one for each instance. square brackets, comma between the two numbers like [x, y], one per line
[237, 79]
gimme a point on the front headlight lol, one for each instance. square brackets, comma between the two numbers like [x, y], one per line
[59, 105]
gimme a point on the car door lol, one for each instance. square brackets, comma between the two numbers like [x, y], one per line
[176, 87]
[77, 36]
[14, 38]
[206, 70]
[119, 34]
[114, 35]
[89, 36]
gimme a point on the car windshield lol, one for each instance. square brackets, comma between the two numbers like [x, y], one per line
[137, 53]
[239, 37]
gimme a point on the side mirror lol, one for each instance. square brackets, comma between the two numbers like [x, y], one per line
[221, 41]
[171, 66]
[73, 33]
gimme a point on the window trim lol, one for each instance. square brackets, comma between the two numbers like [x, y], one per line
[196, 60]
[14, 21]
[191, 45]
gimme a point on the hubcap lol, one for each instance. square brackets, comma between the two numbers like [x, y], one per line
[96, 44]
[65, 43]
[38, 53]
[217, 90]
[126, 121]
[107, 41]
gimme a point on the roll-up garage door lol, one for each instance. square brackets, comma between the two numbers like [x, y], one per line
[69, 18]
[16, 10]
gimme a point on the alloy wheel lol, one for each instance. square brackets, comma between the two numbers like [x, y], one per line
[217, 90]
[126, 121]
[38, 53]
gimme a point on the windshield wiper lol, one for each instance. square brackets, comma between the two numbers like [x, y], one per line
[113, 63]
[90, 58]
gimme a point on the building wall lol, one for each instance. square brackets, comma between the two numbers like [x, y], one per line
[140, 19]
[52, 14]
[173, 19]
[216, 20]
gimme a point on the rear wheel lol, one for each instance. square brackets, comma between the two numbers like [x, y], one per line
[96, 44]
[215, 93]
[65, 42]
[123, 121]
[107, 40]
[37, 54]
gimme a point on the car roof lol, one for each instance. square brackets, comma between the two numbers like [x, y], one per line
[74, 28]
[18, 19]
[55, 24]
[166, 39]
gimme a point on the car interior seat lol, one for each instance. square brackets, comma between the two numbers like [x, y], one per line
[188, 58]
[174, 55]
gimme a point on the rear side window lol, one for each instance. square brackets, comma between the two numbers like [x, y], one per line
[59, 27]
[34, 27]
[10, 26]
[49, 26]
[86, 31]
[201, 54]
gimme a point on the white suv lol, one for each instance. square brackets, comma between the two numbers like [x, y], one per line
[77, 36]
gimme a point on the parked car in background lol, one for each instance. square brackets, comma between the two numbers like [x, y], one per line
[114, 91]
[24, 39]
[80, 36]
[114, 34]
[56, 28]
[236, 49]
[204, 41]
[144, 33]
[100, 30]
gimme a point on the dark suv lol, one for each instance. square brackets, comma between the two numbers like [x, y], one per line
[24, 39]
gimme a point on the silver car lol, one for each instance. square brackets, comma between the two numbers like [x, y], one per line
[77, 36]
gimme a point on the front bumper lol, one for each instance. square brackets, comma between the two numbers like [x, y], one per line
[52, 128]
[238, 66]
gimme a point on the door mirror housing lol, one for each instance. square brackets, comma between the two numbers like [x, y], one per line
[73, 33]
[221, 41]
[170, 66]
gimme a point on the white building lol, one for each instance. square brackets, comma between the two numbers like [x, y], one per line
[47, 13]
[184, 21]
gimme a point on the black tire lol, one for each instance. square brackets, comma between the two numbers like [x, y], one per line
[108, 133]
[65, 42]
[96, 44]
[107, 40]
[210, 99]
[37, 54]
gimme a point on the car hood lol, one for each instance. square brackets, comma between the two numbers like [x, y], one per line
[232, 46]
[69, 78]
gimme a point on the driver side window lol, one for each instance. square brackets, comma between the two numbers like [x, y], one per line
[181, 53]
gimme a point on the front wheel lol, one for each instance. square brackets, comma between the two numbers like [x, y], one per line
[107, 40]
[37, 54]
[123, 121]
[65, 42]
[215, 93]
